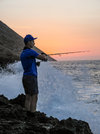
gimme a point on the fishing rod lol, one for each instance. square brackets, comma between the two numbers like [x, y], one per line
[67, 52]
[63, 53]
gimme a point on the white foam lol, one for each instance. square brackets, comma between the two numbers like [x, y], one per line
[57, 94]
[10, 82]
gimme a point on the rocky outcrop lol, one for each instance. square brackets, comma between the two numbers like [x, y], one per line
[11, 45]
[14, 119]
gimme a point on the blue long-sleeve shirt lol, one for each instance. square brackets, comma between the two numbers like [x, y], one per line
[28, 61]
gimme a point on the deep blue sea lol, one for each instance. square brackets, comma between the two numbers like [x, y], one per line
[66, 89]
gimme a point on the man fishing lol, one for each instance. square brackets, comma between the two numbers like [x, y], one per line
[29, 80]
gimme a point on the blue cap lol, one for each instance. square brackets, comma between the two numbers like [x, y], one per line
[28, 38]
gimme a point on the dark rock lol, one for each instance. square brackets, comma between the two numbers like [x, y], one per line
[60, 130]
[20, 99]
[3, 100]
[11, 45]
[14, 119]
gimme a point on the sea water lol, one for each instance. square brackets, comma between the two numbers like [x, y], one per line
[66, 89]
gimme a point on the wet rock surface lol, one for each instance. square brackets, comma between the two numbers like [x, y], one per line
[14, 119]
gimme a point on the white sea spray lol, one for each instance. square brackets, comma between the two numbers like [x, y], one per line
[57, 93]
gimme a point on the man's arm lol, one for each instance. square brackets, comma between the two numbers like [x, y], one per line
[42, 57]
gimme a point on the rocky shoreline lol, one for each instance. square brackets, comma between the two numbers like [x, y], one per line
[11, 45]
[14, 119]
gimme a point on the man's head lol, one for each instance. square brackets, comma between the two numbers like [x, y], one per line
[29, 41]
